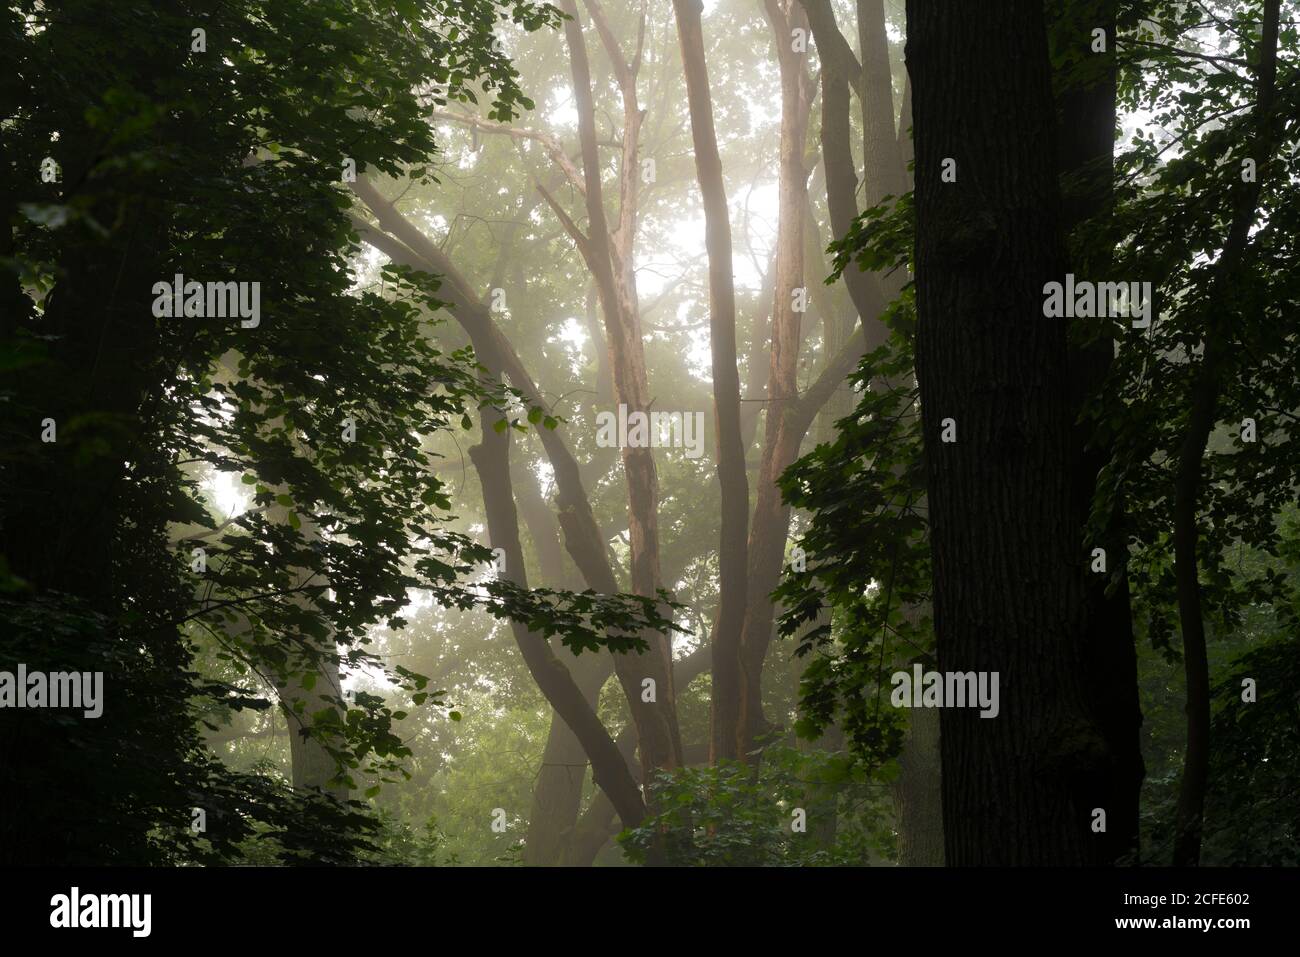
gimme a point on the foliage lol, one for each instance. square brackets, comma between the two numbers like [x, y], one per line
[1186, 91]
[866, 550]
[227, 160]
[736, 815]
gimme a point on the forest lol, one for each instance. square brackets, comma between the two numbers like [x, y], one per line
[688, 433]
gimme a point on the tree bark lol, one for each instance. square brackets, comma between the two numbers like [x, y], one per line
[724, 719]
[918, 799]
[1007, 574]
[840, 72]
[608, 256]
[883, 173]
[1086, 136]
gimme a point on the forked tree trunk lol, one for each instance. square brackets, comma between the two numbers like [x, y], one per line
[782, 433]
[609, 257]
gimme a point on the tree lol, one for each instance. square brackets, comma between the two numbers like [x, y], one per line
[182, 149]
[991, 366]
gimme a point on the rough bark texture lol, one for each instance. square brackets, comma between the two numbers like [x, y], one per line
[918, 799]
[1008, 589]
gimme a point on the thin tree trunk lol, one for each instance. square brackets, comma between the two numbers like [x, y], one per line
[1206, 386]
[608, 256]
[724, 721]
[583, 538]
[557, 792]
[839, 72]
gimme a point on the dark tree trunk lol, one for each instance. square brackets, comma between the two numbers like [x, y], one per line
[839, 69]
[1086, 137]
[1007, 567]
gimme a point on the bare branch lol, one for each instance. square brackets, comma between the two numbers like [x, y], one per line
[547, 140]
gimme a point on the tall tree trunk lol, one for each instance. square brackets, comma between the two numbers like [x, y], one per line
[608, 256]
[1086, 137]
[491, 461]
[782, 435]
[884, 172]
[582, 535]
[1007, 570]
[557, 794]
[725, 716]
[1206, 386]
